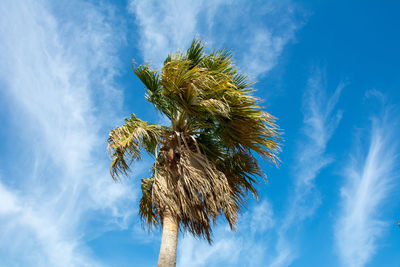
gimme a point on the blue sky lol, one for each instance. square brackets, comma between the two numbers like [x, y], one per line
[328, 70]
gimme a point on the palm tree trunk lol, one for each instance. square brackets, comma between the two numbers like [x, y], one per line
[169, 240]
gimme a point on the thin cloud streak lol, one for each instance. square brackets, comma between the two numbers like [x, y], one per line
[56, 88]
[321, 118]
[369, 181]
[170, 25]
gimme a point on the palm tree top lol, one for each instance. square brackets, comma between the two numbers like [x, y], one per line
[204, 160]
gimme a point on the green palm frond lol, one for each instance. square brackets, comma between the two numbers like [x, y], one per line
[242, 169]
[168, 59]
[219, 62]
[148, 77]
[151, 80]
[249, 127]
[195, 53]
[126, 141]
[240, 81]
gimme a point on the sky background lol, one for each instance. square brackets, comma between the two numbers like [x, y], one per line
[328, 70]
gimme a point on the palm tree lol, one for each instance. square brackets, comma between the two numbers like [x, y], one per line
[205, 161]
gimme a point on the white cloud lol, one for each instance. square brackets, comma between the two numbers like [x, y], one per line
[320, 121]
[8, 202]
[164, 26]
[193, 252]
[257, 32]
[35, 236]
[245, 247]
[369, 180]
[57, 74]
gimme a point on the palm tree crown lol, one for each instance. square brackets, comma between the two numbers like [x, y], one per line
[204, 161]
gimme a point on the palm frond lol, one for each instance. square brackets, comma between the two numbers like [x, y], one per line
[148, 77]
[147, 212]
[151, 80]
[243, 171]
[126, 141]
[188, 87]
[240, 81]
[215, 107]
[249, 127]
[219, 61]
[195, 53]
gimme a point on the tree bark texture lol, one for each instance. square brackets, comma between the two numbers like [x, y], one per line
[169, 240]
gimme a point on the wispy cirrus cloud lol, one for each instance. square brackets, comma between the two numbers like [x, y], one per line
[321, 118]
[256, 31]
[370, 176]
[57, 76]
